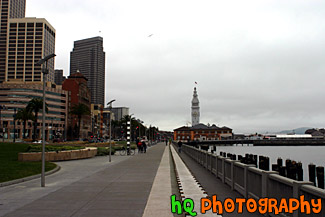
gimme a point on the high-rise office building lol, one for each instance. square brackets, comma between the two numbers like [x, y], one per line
[23, 42]
[8, 9]
[119, 112]
[29, 40]
[88, 57]
[58, 76]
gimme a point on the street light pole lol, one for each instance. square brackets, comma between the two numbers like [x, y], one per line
[110, 104]
[45, 71]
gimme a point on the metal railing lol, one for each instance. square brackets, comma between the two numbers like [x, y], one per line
[252, 182]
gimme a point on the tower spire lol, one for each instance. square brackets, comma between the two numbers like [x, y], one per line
[195, 108]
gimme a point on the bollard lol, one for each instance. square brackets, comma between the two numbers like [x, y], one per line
[320, 177]
[233, 157]
[280, 162]
[300, 172]
[224, 154]
[221, 153]
[312, 175]
[240, 157]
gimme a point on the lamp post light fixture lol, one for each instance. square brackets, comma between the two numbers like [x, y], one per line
[45, 71]
[110, 105]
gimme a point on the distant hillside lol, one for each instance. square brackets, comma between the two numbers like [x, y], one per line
[300, 130]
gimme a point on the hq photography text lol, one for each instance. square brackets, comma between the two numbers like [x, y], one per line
[263, 205]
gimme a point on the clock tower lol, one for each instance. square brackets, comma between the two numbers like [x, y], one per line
[195, 109]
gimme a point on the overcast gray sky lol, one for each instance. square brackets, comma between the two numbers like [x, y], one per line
[259, 64]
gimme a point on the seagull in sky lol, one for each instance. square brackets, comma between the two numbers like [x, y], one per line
[150, 35]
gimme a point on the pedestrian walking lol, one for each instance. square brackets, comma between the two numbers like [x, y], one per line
[179, 146]
[166, 142]
[139, 144]
[144, 145]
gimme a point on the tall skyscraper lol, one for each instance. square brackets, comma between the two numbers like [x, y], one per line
[88, 57]
[195, 109]
[23, 42]
[29, 40]
[58, 77]
[8, 9]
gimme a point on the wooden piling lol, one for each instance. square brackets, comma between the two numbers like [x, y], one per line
[312, 173]
[320, 177]
[300, 172]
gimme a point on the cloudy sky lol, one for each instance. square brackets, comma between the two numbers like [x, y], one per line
[259, 64]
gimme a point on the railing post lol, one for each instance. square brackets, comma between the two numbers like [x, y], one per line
[246, 179]
[206, 160]
[265, 180]
[217, 165]
[232, 174]
[223, 178]
[296, 192]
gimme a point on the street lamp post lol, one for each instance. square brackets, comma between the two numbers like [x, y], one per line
[110, 104]
[45, 71]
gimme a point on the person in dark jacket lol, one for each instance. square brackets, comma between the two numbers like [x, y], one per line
[144, 146]
[179, 146]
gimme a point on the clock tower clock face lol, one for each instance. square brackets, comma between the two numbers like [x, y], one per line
[194, 114]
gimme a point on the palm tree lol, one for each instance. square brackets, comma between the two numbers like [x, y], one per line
[80, 110]
[35, 105]
[24, 115]
[115, 127]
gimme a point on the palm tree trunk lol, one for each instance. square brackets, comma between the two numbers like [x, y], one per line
[24, 129]
[79, 122]
[35, 127]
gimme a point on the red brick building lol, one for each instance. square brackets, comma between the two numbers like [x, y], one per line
[76, 85]
[202, 132]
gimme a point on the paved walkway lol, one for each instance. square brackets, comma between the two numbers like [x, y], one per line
[137, 186]
[120, 188]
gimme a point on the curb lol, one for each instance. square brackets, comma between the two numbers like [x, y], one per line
[16, 181]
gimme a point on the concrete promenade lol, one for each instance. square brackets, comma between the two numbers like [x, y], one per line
[120, 188]
[138, 186]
